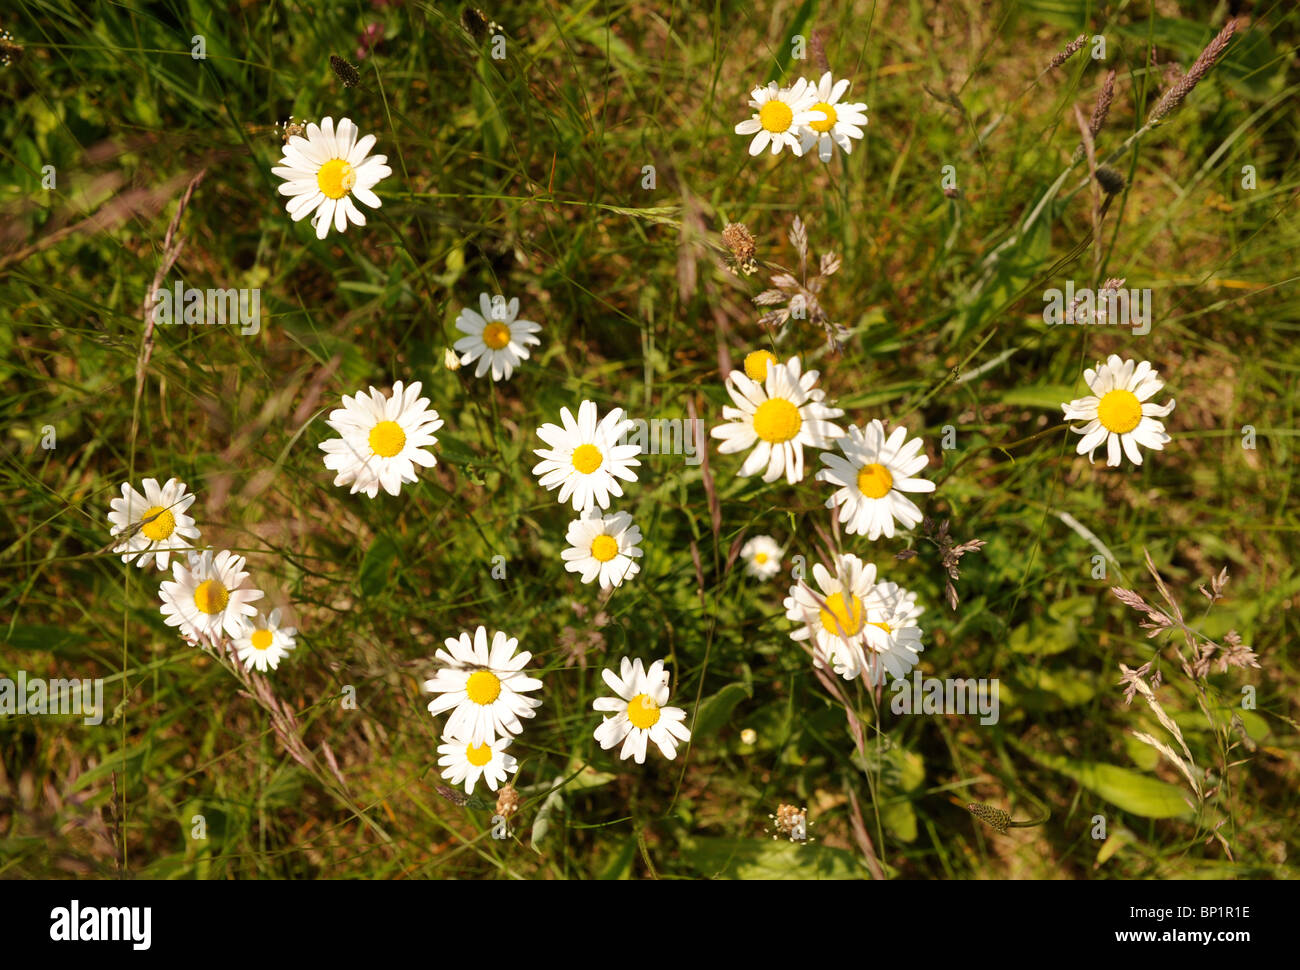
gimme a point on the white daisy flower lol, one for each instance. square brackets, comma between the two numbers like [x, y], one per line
[326, 170]
[640, 712]
[873, 474]
[467, 763]
[892, 636]
[584, 457]
[483, 688]
[383, 439]
[762, 557]
[604, 547]
[783, 414]
[1119, 411]
[779, 116]
[834, 122]
[155, 523]
[836, 617]
[208, 596]
[264, 642]
[496, 339]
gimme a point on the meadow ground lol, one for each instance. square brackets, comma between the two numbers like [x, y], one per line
[589, 171]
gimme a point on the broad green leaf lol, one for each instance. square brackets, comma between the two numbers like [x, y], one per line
[376, 565]
[714, 711]
[724, 858]
[1129, 790]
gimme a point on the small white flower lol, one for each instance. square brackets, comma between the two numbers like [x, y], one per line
[834, 122]
[207, 596]
[155, 523]
[604, 547]
[465, 763]
[497, 340]
[483, 688]
[779, 116]
[264, 642]
[640, 712]
[781, 416]
[762, 557]
[383, 439]
[873, 474]
[326, 170]
[584, 457]
[1119, 411]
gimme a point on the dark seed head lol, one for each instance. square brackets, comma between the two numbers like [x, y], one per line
[344, 71]
[476, 22]
[1111, 181]
[993, 817]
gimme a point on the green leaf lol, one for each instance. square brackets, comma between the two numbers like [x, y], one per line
[376, 565]
[724, 858]
[785, 53]
[714, 711]
[1130, 791]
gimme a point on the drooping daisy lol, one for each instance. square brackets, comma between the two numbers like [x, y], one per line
[640, 712]
[834, 122]
[465, 763]
[835, 616]
[892, 636]
[1119, 411]
[207, 596]
[383, 439]
[155, 523]
[779, 116]
[584, 457]
[604, 547]
[325, 171]
[496, 339]
[756, 364]
[781, 415]
[762, 557]
[264, 642]
[873, 475]
[483, 688]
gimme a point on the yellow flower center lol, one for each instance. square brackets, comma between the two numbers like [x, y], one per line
[162, 525]
[884, 626]
[483, 687]
[261, 639]
[760, 557]
[336, 177]
[479, 756]
[775, 116]
[1119, 411]
[387, 438]
[756, 364]
[587, 458]
[496, 335]
[211, 597]
[604, 547]
[642, 711]
[826, 109]
[777, 421]
[874, 481]
[845, 616]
